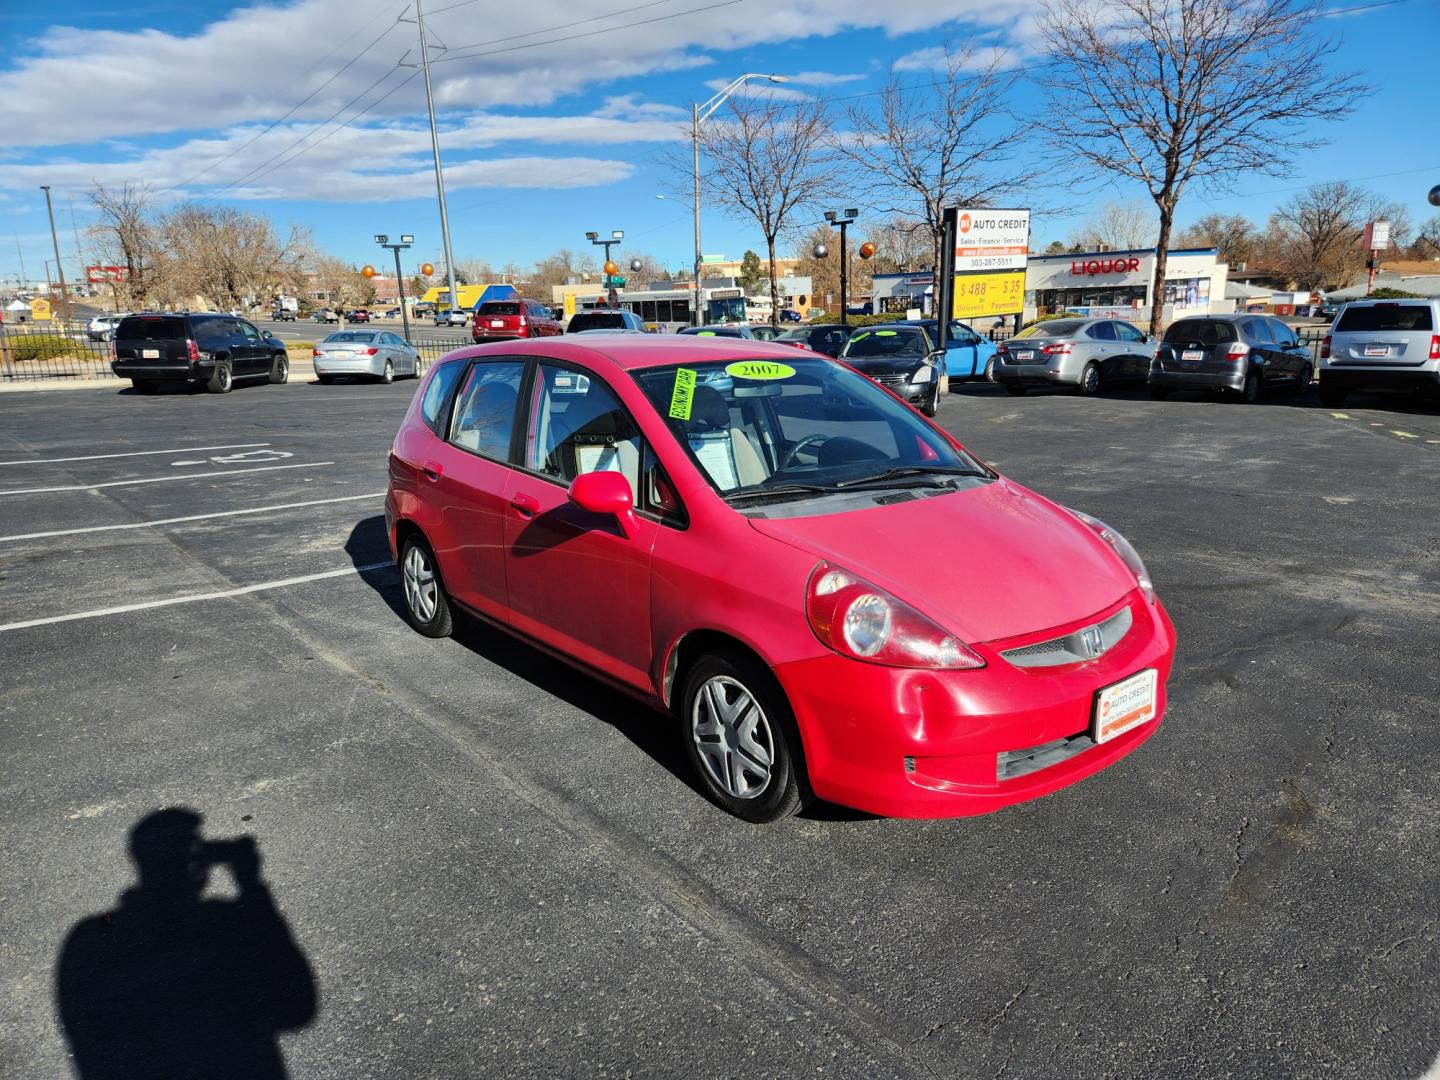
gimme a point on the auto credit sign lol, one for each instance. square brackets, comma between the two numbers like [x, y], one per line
[987, 240]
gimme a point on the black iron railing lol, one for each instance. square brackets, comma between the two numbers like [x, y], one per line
[52, 350]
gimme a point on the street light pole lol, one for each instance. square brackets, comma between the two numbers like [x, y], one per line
[842, 218]
[59, 269]
[699, 113]
[616, 235]
[405, 241]
[435, 147]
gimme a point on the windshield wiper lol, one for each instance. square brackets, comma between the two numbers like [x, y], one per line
[780, 491]
[921, 475]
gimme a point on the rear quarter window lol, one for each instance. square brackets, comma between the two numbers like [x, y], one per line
[500, 307]
[152, 328]
[589, 321]
[1385, 317]
[1203, 331]
[432, 405]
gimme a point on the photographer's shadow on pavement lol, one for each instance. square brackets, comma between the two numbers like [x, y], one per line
[168, 985]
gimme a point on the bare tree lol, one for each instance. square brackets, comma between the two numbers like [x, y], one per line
[824, 273]
[1426, 244]
[1314, 238]
[767, 160]
[956, 142]
[338, 280]
[1233, 237]
[1118, 227]
[122, 236]
[226, 256]
[1170, 92]
[901, 244]
[474, 271]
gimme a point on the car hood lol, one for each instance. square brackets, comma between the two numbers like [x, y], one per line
[988, 562]
[884, 365]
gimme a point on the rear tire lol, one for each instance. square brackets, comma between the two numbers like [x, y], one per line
[280, 370]
[733, 707]
[1332, 397]
[1090, 380]
[146, 386]
[990, 370]
[426, 605]
[1250, 392]
[325, 380]
[1016, 389]
[221, 381]
[1159, 393]
[388, 375]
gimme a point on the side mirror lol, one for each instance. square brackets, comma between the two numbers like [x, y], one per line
[606, 493]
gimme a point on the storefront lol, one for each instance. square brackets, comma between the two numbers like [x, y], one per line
[1118, 284]
[895, 294]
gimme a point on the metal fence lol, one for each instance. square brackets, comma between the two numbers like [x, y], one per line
[52, 351]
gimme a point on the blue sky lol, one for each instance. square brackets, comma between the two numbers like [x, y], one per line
[542, 141]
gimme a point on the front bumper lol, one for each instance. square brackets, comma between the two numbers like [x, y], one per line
[910, 743]
[1374, 377]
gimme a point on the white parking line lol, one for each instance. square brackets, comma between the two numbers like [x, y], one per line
[162, 479]
[193, 598]
[191, 517]
[132, 453]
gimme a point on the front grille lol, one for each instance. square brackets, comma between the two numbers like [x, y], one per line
[894, 382]
[1087, 643]
[1010, 764]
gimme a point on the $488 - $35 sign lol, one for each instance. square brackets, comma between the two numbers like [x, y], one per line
[989, 294]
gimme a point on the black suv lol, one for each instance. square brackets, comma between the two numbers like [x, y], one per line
[155, 348]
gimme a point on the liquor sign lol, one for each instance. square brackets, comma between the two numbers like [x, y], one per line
[103, 275]
[986, 252]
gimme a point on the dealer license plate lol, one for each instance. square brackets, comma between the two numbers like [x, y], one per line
[1124, 705]
[1377, 350]
[1026, 355]
[497, 322]
[1193, 356]
[150, 354]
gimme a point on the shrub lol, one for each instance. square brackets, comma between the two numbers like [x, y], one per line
[857, 320]
[40, 346]
[1393, 294]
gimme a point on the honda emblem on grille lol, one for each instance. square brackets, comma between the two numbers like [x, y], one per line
[1093, 640]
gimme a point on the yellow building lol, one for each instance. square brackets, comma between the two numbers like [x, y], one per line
[470, 295]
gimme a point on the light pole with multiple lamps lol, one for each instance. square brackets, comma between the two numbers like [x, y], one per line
[405, 241]
[698, 115]
[841, 218]
[616, 235]
[59, 269]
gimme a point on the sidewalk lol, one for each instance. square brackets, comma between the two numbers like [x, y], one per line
[301, 368]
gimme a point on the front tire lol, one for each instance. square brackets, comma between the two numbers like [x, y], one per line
[426, 605]
[1159, 393]
[1332, 397]
[1302, 381]
[325, 380]
[1016, 389]
[932, 404]
[146, 386]
[221, 381]
[740, 737]
[990, 370]
[280, 370]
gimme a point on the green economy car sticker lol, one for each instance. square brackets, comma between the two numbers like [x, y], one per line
[759, 369]
[683, 395]
[705, 333]
[884, 333]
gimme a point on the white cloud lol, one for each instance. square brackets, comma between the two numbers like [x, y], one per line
[823, 78]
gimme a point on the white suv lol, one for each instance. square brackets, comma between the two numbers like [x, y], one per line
[1381, 345]
[102, 327]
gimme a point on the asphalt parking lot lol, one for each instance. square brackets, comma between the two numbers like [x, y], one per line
[493, 866]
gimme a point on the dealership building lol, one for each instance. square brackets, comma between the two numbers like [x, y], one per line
[1118, 284]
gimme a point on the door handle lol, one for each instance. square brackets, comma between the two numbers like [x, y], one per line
[432, 470]
[525, 504]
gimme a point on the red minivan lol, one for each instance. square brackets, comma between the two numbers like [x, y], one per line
[505, 320]
[744, 536]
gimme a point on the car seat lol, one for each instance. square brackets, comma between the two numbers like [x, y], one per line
[724, 450]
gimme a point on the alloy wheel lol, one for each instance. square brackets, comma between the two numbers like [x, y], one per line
[733, 736]
[420, 587]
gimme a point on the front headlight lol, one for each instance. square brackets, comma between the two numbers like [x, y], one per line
[1122, 547]
[925, 374]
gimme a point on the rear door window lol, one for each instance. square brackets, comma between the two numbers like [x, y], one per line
[484, 420]
[1102, 331]
[500, 307]
[1259, 330]
[1385, 317]
[152, 328]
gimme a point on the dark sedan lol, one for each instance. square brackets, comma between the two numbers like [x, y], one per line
[902, 359]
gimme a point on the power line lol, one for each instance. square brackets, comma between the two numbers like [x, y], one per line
[588, 33]
[548, 29]
[276, 123]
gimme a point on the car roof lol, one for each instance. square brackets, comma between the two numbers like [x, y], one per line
[1382, 301]
[633, 352]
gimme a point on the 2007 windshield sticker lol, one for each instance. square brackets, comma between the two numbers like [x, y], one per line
[759, 369]
[683, 396]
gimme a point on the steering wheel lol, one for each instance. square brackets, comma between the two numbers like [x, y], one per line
[794, 451]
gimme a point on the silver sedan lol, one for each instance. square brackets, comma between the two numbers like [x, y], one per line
[378, 354]
[1082, 353]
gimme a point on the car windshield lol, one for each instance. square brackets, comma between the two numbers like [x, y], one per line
[500, 307]
[1385, 317]
[1201, 332]
[766, 431]
[1052, 328]
[152, 328]
[868, 343]
[713, 331]
[348, 336]
[595, 320]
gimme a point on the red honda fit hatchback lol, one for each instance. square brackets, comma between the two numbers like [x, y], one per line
[747, 536]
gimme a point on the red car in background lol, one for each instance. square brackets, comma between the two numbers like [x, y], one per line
[744, 535]
[506, 320]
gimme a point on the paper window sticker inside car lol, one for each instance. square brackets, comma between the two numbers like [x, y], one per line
[759, 369]
[683, 396]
